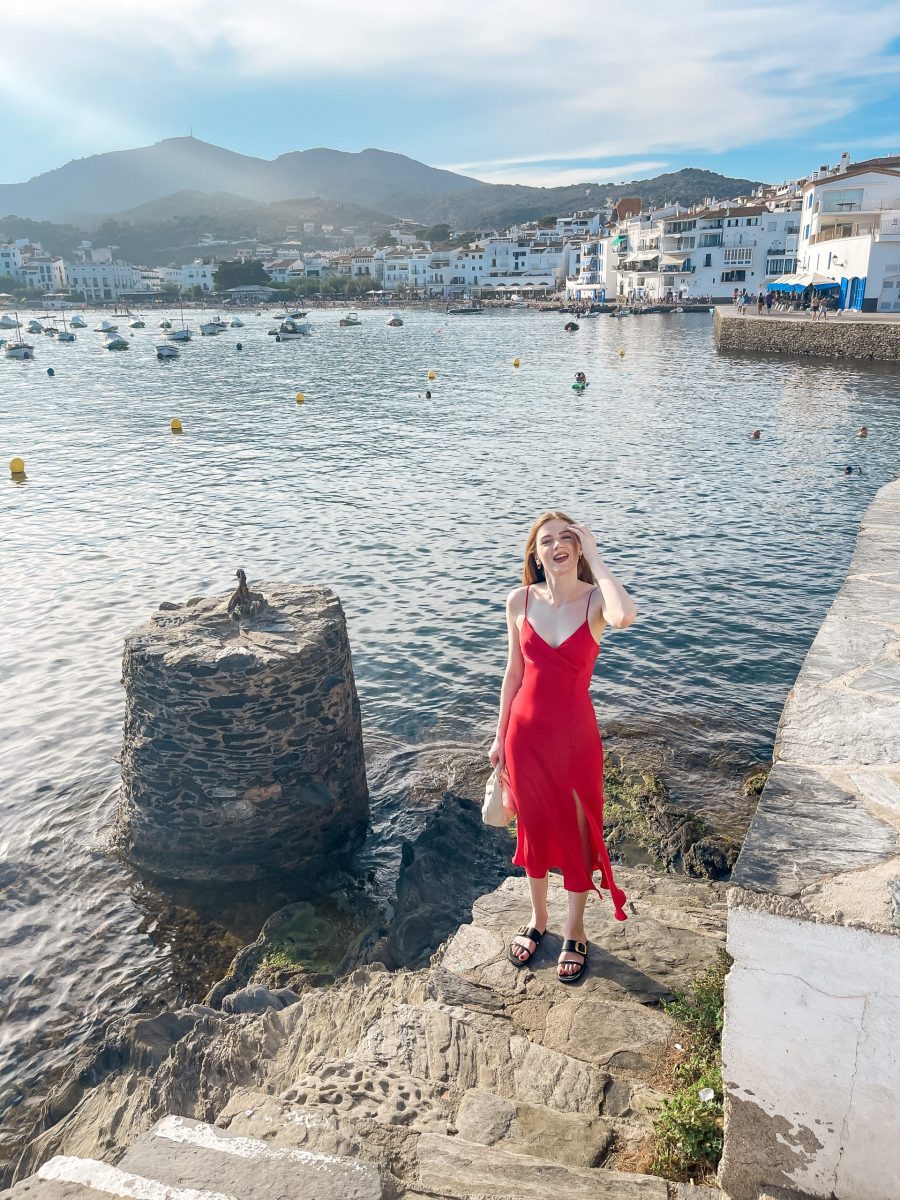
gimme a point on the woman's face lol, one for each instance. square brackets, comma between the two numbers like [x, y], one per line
[557, 548]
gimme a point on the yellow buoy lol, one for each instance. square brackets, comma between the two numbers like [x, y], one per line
[432, 375]
[621, 354]
[175, 425]
[16, 466]
[299, 397]
[515, 362]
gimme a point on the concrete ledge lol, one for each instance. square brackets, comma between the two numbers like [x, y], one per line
[811, 1049]
[844, 336]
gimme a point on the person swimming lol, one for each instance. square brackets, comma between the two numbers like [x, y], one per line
[581, 378]
[428, 395]
[756, 435]
[863, 431]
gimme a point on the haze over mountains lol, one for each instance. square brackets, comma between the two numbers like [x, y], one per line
[163, 197]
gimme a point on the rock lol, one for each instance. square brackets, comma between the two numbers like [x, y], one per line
[191, 1154]
[710, 858]
[532, 1129]
[242, 749]
[638, 810]
[442, 873]
[466, 1078]
[258, 999]
[454, 1168]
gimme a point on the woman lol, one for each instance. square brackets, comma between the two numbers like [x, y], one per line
[548, 747]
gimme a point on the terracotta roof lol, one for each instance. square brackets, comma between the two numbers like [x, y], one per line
[628, 206]
[707, 214]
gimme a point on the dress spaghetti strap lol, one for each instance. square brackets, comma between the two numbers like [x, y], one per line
[527, 594]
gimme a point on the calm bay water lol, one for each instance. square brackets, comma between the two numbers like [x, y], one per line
[415, 511]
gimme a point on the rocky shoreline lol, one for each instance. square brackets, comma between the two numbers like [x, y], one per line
[415, 885]
[464, 1077]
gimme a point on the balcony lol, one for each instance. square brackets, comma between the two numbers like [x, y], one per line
[849, 229]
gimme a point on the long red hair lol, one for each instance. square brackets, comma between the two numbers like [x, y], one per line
[531, 572]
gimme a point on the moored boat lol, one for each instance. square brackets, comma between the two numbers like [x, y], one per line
[165, 351]
[106, 327]
[78, 322]
[396, 321]
[115, 342]
[349, 321]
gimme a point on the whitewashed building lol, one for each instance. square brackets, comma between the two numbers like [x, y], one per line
[285, 270]
[196, 274]
[850, 233]
[103, 281]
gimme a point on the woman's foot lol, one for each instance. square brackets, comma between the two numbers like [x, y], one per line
[573, 960]
[525, 943]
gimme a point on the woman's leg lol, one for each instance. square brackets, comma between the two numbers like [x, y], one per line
[522, 946]
[570, 960]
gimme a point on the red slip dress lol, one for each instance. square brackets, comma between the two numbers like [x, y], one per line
[554, 761]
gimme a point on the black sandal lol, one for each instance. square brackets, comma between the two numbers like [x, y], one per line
[571, 946]
[533, 935]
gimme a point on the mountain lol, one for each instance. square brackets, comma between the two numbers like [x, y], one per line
[124, 179]
[497, 205]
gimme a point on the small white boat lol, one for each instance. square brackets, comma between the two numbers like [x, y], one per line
[290, 329]
[137, 323]
[179, 335]
[51, 330]
[34, 326]
[164, 351]
[106, 327]
[349, 321]
[18, 348]
[114, 342]
[6, 322]
[396, 321]
[78, 323]
[210, 329]
[237, 323]
[65, 335]
[165, 324]
[218, 321]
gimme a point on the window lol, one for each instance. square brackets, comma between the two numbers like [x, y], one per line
[809, 200]
[707, 260]
[738, 254]
[734, 276]
[806, 231]
[838, 200]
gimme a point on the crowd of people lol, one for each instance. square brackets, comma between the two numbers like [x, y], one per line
[817, 305]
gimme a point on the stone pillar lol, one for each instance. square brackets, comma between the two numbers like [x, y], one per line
[242, 750]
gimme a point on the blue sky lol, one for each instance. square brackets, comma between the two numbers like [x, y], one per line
[509, 91]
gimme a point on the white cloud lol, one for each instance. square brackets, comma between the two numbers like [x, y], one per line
[701, 77]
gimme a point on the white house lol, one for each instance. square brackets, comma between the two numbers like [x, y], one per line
[850, 233]
[285, 270]
[196, 274]
[103, 281]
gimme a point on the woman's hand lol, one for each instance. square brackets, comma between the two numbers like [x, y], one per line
[497, 756]
[588, 541]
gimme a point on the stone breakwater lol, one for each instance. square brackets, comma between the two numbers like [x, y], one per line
[811, 1052]
[242, 751]
[836, 337]
[465, 1078]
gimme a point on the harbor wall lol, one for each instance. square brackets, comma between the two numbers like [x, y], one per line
[844, 336]
[811, 1047]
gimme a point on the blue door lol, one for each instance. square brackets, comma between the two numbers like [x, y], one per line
[842, 298]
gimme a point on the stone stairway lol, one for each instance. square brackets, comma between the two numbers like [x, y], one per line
[470, 1080]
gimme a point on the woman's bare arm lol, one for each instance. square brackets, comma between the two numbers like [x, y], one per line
[512, 676]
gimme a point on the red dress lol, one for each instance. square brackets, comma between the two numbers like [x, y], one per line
[554, 759]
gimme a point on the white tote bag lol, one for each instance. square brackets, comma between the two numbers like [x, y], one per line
[494, 812]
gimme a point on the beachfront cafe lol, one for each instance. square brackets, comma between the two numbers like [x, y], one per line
[801, 286]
